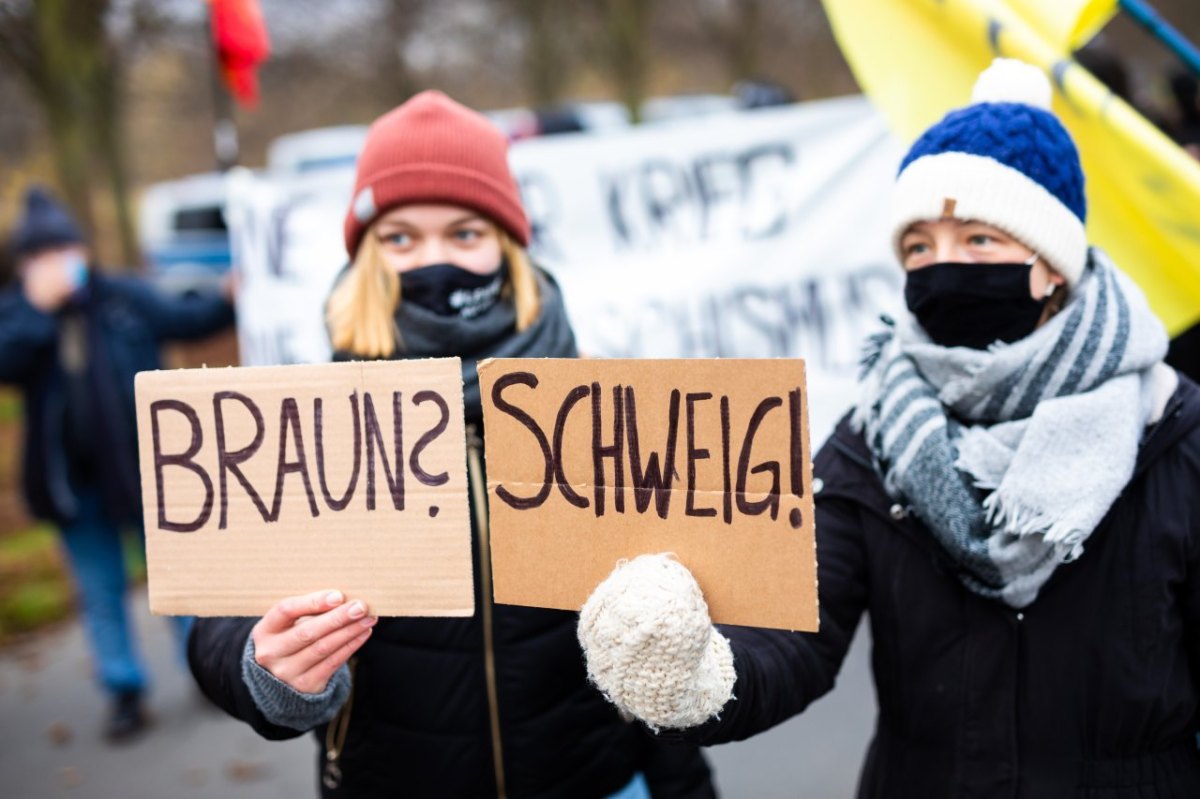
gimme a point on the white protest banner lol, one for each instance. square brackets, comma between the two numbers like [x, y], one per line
[286, 237]
[753, 234]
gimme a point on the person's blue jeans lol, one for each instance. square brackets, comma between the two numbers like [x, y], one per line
[636, 789]
[93, 544]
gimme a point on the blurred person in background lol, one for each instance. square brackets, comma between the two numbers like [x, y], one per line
[8, 264]
[72, 339]
[1110, 68]
[1186, 90]
[494, 705]
[1184, 354]
[761, 93]
[1013, 503]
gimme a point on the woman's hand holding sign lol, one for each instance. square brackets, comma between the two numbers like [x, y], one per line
[303, 640]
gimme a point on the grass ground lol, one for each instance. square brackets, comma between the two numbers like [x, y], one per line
[34, 587]
[35, 584]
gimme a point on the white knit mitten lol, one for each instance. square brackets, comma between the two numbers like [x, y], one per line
[651, 647]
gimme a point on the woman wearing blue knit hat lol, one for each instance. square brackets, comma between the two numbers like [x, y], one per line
[1014, 501]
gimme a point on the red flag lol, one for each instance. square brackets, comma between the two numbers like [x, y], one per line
[240, 36]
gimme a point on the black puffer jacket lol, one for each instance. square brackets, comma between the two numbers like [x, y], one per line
[421, 722]
[1091, 691]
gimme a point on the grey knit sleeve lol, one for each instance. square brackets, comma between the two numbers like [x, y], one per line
[284, 705]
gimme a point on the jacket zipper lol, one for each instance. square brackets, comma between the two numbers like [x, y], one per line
[479, 492]
[62, 497]
[335, 737]
[1019, 620]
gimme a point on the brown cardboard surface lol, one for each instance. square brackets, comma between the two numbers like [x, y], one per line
[214, 549]
[557, 531]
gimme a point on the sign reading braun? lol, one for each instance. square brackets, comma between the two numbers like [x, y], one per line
[365, 431]
[340, 474]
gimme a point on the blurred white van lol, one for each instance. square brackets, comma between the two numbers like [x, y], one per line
[182, 232]
[315, 150]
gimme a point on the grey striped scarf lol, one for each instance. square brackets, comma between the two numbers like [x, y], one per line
[1013, 455]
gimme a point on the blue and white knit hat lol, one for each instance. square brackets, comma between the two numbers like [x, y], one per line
[1005, 160]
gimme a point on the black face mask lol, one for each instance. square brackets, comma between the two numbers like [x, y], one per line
[974, 305]
[450, 290]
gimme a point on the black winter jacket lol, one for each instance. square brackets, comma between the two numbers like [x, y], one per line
[420, 721]
[1091, 691]
[127, 321]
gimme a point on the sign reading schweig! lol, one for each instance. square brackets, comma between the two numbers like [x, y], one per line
[592, 461]
[267, 482]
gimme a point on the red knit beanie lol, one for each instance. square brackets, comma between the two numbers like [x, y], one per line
[434, 150]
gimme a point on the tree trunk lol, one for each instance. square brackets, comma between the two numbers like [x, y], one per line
[403, 17]
[61, 48]
[62, 36]
[547, 71]
[744, 40]
[110, 142]
[628, 23]
[734, 29]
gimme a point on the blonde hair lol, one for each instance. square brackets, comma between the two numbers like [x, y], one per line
[361, 308]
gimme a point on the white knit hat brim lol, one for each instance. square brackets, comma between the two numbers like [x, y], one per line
[984, 190]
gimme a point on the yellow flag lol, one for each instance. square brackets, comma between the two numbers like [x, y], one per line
[1066, 25]
[918, 59]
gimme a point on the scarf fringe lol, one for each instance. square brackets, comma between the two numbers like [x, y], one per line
[970, 461]
[872, 351]
[1009, 515]
[870, 373]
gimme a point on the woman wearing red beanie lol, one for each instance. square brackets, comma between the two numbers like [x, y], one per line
[498, 704]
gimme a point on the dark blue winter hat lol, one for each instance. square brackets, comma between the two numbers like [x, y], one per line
[1005, 160]
[45, 223]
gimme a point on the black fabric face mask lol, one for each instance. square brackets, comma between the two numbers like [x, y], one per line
[974, 305]
[450, 290]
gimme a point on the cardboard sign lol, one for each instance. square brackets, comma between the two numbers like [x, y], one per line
[268, 482]
[592, 461]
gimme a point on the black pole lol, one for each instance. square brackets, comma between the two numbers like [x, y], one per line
[225, 136]
[1159, 28]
